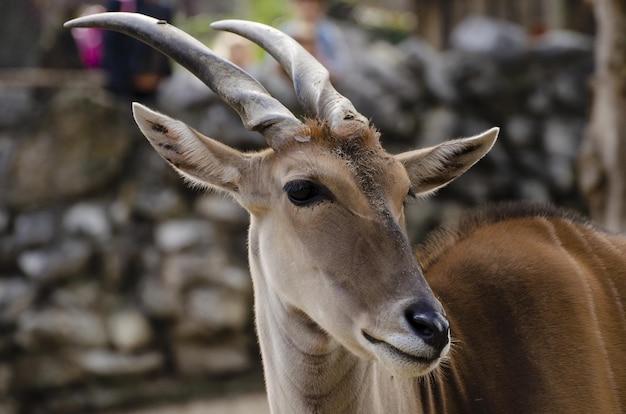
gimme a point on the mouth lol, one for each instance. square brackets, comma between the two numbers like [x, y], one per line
[388, 348]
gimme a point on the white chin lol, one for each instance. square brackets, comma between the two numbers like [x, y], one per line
[405, 365]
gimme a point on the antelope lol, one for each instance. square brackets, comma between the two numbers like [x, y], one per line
[349, 318]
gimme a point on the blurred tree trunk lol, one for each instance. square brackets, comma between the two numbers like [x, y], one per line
[602, 162]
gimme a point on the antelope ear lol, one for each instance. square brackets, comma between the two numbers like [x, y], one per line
[202, 160]
[434, 167]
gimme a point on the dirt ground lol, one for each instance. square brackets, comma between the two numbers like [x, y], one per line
[241, 404]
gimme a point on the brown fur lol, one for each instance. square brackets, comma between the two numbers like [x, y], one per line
[444, 238]
[535, 301]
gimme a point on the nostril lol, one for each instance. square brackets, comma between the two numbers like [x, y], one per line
[431, 326]
[422, 326]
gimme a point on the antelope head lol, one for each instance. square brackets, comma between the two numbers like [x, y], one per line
[327, 242]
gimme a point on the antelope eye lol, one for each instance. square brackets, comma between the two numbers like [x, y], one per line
[304, 193]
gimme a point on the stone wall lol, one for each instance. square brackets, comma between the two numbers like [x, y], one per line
[119, 285]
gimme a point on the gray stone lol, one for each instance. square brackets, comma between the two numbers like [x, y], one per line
[46, 371]
[562, 136]
[81, 294]
[76, 146]
[159, 300]
[562, 174]
[534, 190]
[222, 210]
[6, 378]
[34, 229]
[439, 124]
[540, 101]
[183, 270]
[568, 86]
[494, 38]
[194, 359]
[60, 328]
[218, 309]
[221, 122]
[55, 263]
[16, 105]
[129, 330]
[520, 131]
[88, 219]
[418, 54]
[237, 279]
[176, 235]
[182, 91]
[16, 296]
[187, 330]
[9, 407]
[110, 364]
[438, 78]
[158, 203]
[5, 219]
[556, 44]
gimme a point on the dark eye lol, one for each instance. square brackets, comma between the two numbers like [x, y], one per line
[304, 193]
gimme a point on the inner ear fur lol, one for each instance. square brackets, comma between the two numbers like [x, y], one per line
[201, 160]
[434, 167]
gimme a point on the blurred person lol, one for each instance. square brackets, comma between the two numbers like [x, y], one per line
[89, 40]
[234, 48]
[320, 36]
[135, 69]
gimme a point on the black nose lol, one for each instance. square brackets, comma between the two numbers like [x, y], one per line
[430, 325]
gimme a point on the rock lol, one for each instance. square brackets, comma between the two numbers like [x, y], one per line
[540, 100]
[55, 263]
[82, 294]
[557, 44]
[5, 219]
[438, 80]
[159, 300]
[562, 136]
[222, 210]
[570, 86]
[129, 330]
[116, 258]
[561, 173]
[176, 235]
[182, 91]
[45, 371]
[496, 39]
[521, 132]
[88, 219]
[218, 309]
[16, 296]
[439, 124]
[221, 122]
[418, 53]
[387, 65]
[193, 359]
[534, 190]
[9, 407]
[77, 145]
[110, 364]
[185, 270]
[38, 330]
[34, 229]
[237, 279]
[6, 378]
[158, 203]
[16, 105]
